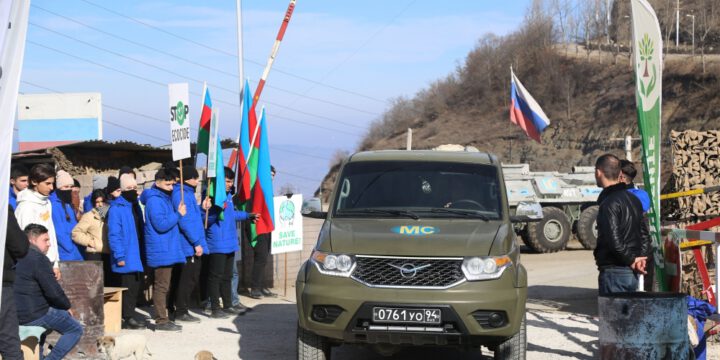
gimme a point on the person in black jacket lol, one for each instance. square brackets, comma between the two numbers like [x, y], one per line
[16, 247]
[40, 299]
[622, 249]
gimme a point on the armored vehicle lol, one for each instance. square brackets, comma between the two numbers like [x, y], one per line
[568, 202]
[417, 249]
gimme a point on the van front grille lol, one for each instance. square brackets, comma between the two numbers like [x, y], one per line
[408, 272]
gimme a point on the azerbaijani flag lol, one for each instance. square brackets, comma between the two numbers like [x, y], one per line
[216, 185]
[246, 167]
[203, 141]
[262, 195]
[525, 111]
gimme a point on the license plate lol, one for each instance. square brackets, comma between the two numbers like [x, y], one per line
[404, 315]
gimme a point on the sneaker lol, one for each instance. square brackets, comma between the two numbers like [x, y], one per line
[233, 311]
[256, 294]
[219, 314]
[187, 318]
[168, 326]
[132, 324]
[267, 293]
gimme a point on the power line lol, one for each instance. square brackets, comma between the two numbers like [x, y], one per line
[194, 93]
[224, 52]
[150, 48]
[298, 176]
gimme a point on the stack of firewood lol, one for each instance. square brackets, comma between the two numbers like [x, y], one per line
[696, 164]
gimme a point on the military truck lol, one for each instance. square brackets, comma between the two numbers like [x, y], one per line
[568, 203]
[417, 249]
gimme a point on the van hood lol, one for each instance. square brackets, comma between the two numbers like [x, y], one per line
[407, 237]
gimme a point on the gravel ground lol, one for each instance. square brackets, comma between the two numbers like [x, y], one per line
[562, 322]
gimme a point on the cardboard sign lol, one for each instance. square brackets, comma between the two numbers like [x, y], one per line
[179, 120]
[288, 233]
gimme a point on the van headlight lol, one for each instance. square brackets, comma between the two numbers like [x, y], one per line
[333, 264]
[485, 267]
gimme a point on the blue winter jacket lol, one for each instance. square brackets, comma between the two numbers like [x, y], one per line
[87, 204]
[123, 237]
[13, 198]
[222, 233]
[162, 233]
[63, 217]
[643, 196]
[192, 225]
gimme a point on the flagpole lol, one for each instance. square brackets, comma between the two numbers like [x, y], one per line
[273, 53]
[255, 133]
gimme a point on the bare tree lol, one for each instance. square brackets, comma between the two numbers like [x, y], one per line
[708, 16]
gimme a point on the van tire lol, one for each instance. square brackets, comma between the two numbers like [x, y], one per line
[515, 347]
[587, 227]
[311, 346]
[550, 234]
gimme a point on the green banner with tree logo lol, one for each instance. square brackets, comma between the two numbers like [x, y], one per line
[647, 46]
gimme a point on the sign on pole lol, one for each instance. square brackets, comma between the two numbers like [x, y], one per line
[288, 233]
[179, 120]
[647, 45]
[212, 147]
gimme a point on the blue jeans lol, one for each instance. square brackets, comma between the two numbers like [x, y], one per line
[62, 322]
[617, 279]
[235, 280]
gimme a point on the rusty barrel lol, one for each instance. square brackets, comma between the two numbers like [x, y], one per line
[643, 325]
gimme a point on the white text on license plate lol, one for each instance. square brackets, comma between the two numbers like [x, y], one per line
[401, 315]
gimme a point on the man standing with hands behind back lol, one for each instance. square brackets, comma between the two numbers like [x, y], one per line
[621, 252]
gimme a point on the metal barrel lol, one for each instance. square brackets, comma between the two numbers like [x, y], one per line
[643, 325]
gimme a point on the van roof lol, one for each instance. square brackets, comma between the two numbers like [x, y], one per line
[476, 157]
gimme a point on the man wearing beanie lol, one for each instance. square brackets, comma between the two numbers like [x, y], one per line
[99, 182]
[125, 232]
[63, 217]
[112, 189]
[163, 243]
[192, 240]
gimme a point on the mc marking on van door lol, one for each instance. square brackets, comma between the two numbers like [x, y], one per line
[415, 230]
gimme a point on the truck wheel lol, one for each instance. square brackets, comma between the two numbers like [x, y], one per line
[515, 347]
[587, 227]
[311, 346]
[550, 234]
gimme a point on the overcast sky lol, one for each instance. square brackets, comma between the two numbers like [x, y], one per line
[340, 64]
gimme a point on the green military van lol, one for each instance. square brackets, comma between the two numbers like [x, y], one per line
[417, 249]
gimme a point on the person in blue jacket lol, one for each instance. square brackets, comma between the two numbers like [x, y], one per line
[163, 243]
[64, 219]
[628, 174]
[222, 243]
[99, 183]
[192, 240]
[125, 232]
[19, 176]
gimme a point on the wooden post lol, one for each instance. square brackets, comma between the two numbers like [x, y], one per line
[182, 187]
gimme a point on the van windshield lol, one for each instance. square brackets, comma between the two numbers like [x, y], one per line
[418, 189]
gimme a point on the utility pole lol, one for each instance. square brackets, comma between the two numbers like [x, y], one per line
[693, 33]
[409, 139]
[628, 145]
[677, 24]
[607, 21]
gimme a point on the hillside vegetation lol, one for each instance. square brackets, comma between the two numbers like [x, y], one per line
[587, 94]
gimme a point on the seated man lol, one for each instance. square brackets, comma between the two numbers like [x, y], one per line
[40, 299]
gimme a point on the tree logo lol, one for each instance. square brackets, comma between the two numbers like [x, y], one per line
[646, 49]
[179, 112]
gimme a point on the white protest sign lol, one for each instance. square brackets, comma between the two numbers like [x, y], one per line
[288, 233]
[179, 120]
[212, 144]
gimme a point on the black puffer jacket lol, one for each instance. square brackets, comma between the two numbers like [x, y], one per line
[622, 233]
[16, 247]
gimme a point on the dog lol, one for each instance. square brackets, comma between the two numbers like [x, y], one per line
[204, 355]
[123, 347]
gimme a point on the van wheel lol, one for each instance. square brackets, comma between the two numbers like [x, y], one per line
[515, 347]
[587, 227]
[311, 346]
[550, 234]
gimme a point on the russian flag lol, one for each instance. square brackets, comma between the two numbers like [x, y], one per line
[525, 111]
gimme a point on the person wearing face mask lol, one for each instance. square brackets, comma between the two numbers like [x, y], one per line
[63, 216]
[162, 243]
[99, 183]
[34, 208]
[92, 232]
[192, 240]
[125, 232]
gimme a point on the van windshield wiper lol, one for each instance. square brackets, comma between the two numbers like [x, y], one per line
[462, 212]
[405, 213]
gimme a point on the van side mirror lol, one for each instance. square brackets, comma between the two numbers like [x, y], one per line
[527, 212]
